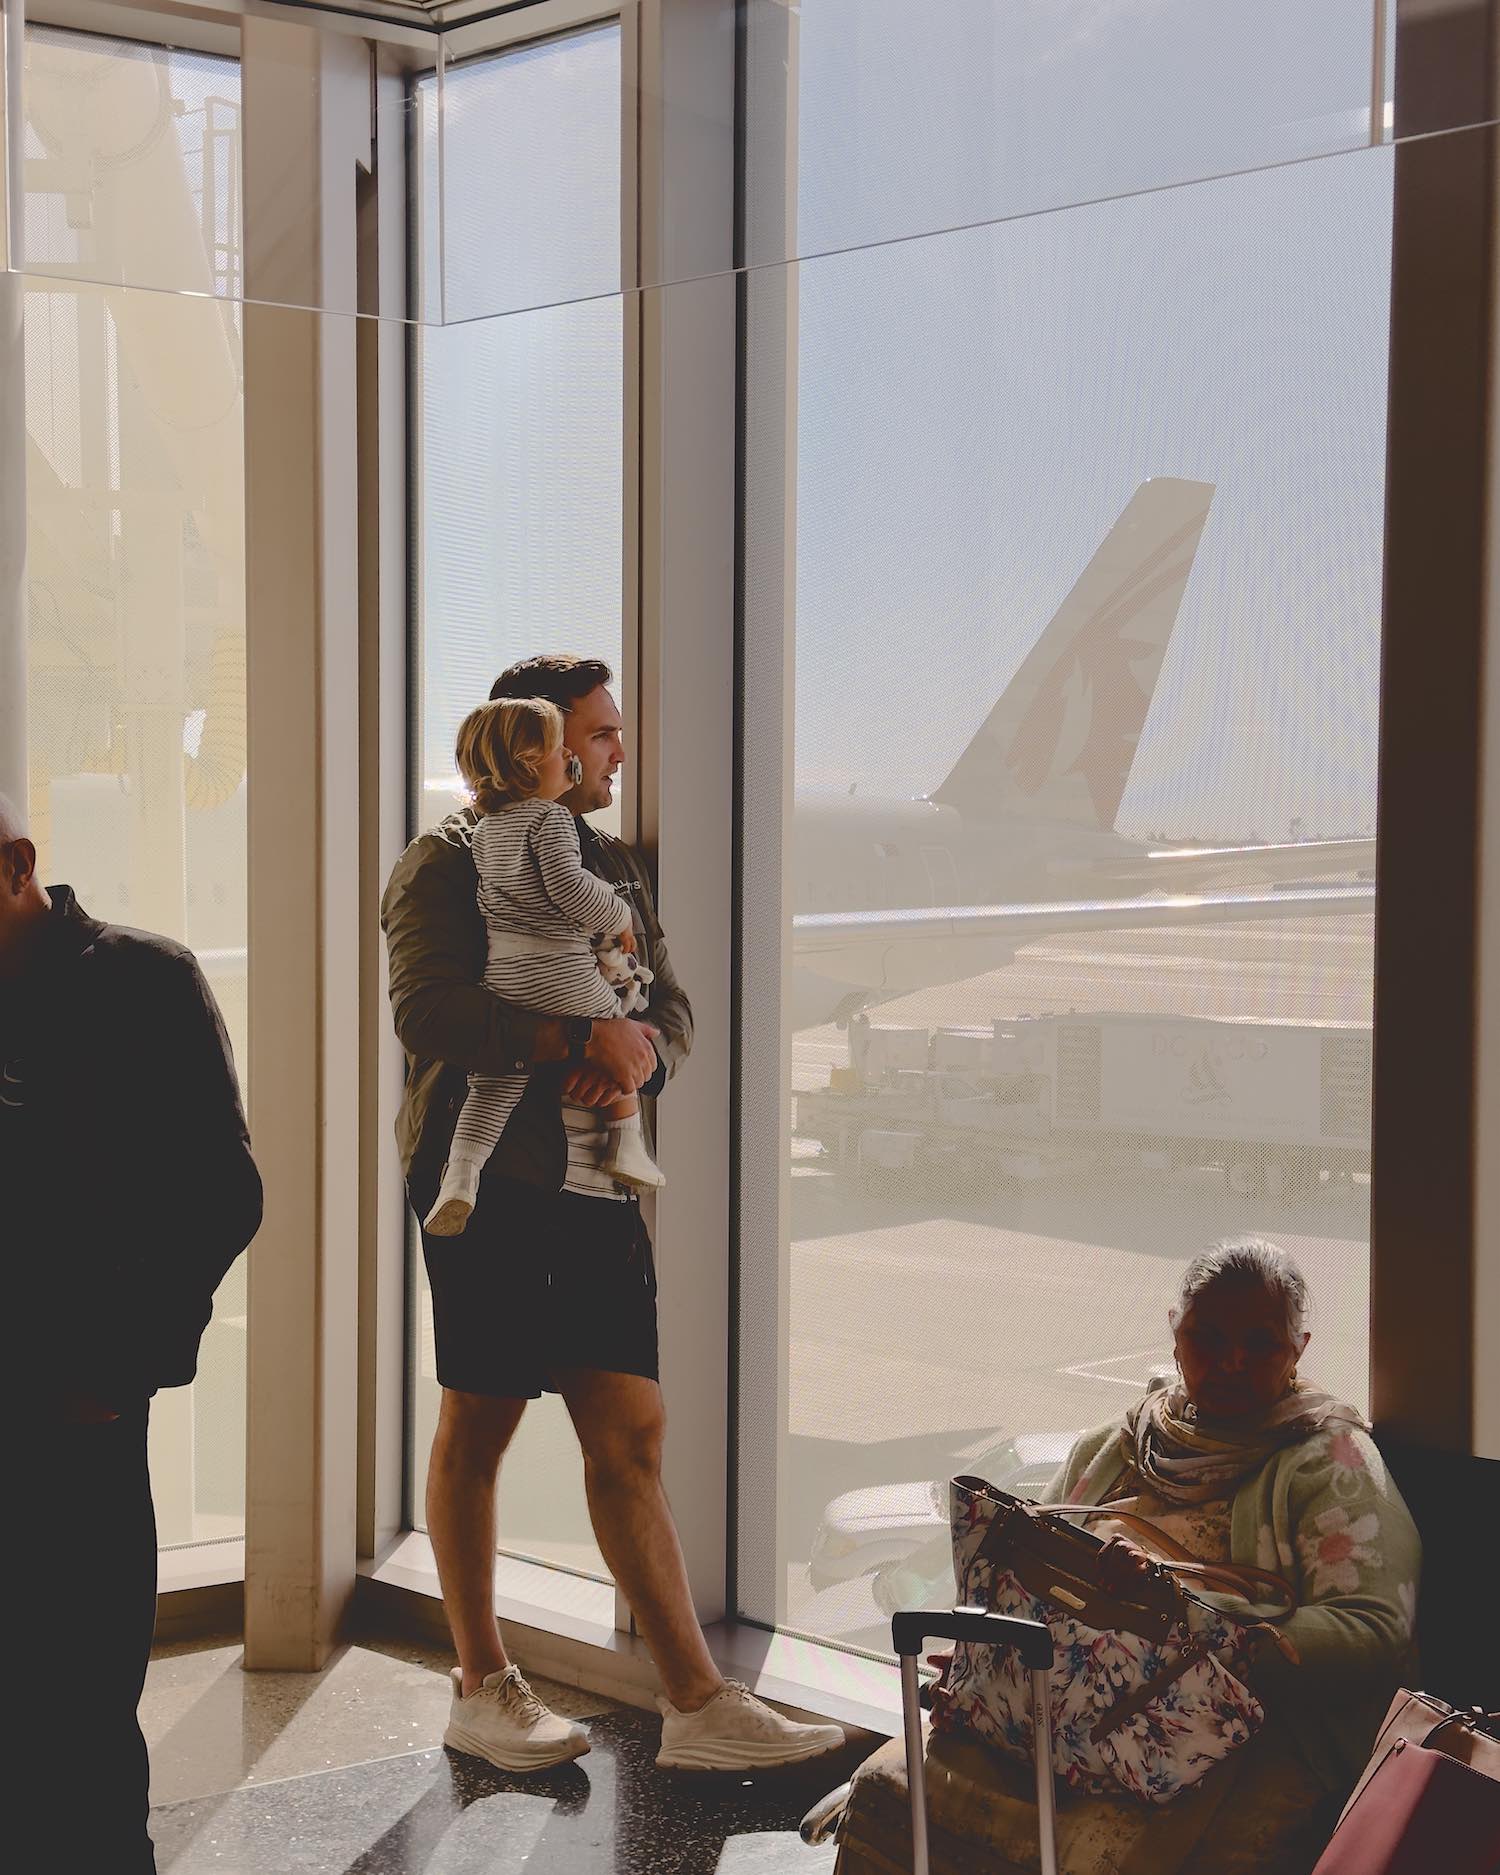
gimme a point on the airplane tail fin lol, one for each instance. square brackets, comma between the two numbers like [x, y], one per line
[1060, 742]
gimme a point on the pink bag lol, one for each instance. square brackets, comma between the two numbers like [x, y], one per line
[1408, 1814]
[1421, 1813]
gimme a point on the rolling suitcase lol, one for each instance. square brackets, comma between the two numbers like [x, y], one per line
[909, 1632]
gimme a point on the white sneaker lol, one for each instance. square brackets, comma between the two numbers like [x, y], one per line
[504, 1722]
[455, 1199]
[735, 1731]
[628, 1160]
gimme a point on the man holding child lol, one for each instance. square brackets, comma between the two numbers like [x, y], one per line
[550, 1285]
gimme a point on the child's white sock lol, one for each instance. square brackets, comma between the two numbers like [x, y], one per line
[455, 1199]
[627, 1158]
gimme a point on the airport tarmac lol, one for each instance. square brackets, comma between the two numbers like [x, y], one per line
[932, 1318]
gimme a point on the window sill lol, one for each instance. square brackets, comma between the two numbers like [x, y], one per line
[562, 1626]
[200, 1589]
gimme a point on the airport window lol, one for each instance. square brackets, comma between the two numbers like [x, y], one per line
[519, 506]
[1085, 620]
[979, 127]
[135, 646]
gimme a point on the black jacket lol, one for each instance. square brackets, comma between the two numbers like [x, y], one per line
[125, 1155]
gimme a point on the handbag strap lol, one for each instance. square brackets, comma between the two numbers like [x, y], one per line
[1241, 1579]
[1471, 1719]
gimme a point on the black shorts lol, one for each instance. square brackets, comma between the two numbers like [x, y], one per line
[540, 1280]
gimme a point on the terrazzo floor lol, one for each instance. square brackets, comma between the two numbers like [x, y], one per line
[342, 1773]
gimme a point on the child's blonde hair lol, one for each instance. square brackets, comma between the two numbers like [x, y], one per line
[501, 747]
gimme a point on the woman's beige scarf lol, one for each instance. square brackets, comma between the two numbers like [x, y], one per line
[1187, 1458]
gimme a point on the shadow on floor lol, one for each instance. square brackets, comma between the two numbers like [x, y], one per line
[440, 1813]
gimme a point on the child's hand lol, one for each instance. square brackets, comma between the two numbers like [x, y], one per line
[626, 941]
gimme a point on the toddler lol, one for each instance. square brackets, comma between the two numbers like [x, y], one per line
[542, 908]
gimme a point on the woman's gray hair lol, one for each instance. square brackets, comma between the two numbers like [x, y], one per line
[1247, 1260]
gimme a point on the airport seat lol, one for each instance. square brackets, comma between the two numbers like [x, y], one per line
[1447, 1494]
[1260, 1811]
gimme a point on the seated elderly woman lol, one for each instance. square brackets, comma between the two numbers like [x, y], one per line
[1242, 1460]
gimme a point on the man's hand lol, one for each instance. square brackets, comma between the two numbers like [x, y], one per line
[621, 1050]
[587, 1087]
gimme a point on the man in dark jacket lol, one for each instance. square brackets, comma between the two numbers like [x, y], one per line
[128, 1184]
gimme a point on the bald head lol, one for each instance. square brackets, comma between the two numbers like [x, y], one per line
[23, 903]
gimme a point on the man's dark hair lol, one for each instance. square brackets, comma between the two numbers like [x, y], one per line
[559, 677]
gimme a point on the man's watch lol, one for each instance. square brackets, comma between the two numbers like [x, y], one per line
[580, 1032]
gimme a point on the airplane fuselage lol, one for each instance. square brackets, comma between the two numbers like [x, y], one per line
[855, 859]
[873, 854]
[882, 854]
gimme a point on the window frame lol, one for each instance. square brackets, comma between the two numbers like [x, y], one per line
[550, 22]
[818, 1675]
[1444, 439]
[195, 1579]
[1424, 1142]
[678, 483]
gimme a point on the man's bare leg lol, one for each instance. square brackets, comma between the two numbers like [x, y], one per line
[620, 1422]
[473, 1432]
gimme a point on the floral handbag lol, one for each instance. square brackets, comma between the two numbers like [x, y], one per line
[1148, 1691]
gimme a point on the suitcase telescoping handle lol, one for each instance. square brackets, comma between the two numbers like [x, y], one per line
[910, 1630]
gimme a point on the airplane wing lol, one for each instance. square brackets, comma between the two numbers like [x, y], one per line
[1025, 924]
[1219, 869]
[1200, 866]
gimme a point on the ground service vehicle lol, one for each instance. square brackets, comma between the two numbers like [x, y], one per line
[1278, 1106]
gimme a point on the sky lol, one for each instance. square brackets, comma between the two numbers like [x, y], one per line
[976, 407]
[983, 378]
[522, 439]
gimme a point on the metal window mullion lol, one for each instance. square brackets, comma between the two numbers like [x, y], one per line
[765, 786]
[685, 529]
[307, 113]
